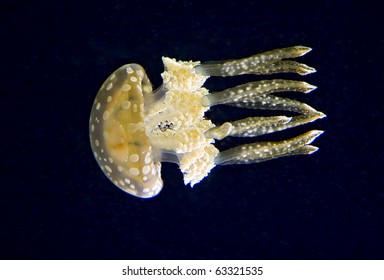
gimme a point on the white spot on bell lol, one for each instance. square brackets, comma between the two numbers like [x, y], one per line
[147, 159]
[126, 87]
[146, 169]
[109, 86]
[126, 105]
[129, 70]
[134, 158]
[109, 169]
[140, 73]
[134, 171]
[105, 115]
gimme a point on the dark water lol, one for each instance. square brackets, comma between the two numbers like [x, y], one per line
[57, 204]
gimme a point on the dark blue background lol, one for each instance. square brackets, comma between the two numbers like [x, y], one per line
[57, 204]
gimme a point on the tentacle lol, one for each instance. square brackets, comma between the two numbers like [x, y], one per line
[256, 126]
[263, 63]
[251, 89]
[286, 66]
[262, 151]
[271, 102]
[249, 127]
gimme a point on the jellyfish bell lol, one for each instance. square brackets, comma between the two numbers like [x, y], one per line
[117, 132]
[133, 128]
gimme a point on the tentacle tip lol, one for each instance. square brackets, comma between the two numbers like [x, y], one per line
[314, 134]
[314, 113]
[321, 115]
[305, 70]
[311, 149]
[310, 87]
[302, 50]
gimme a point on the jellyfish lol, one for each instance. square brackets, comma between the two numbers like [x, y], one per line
[133, 129]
